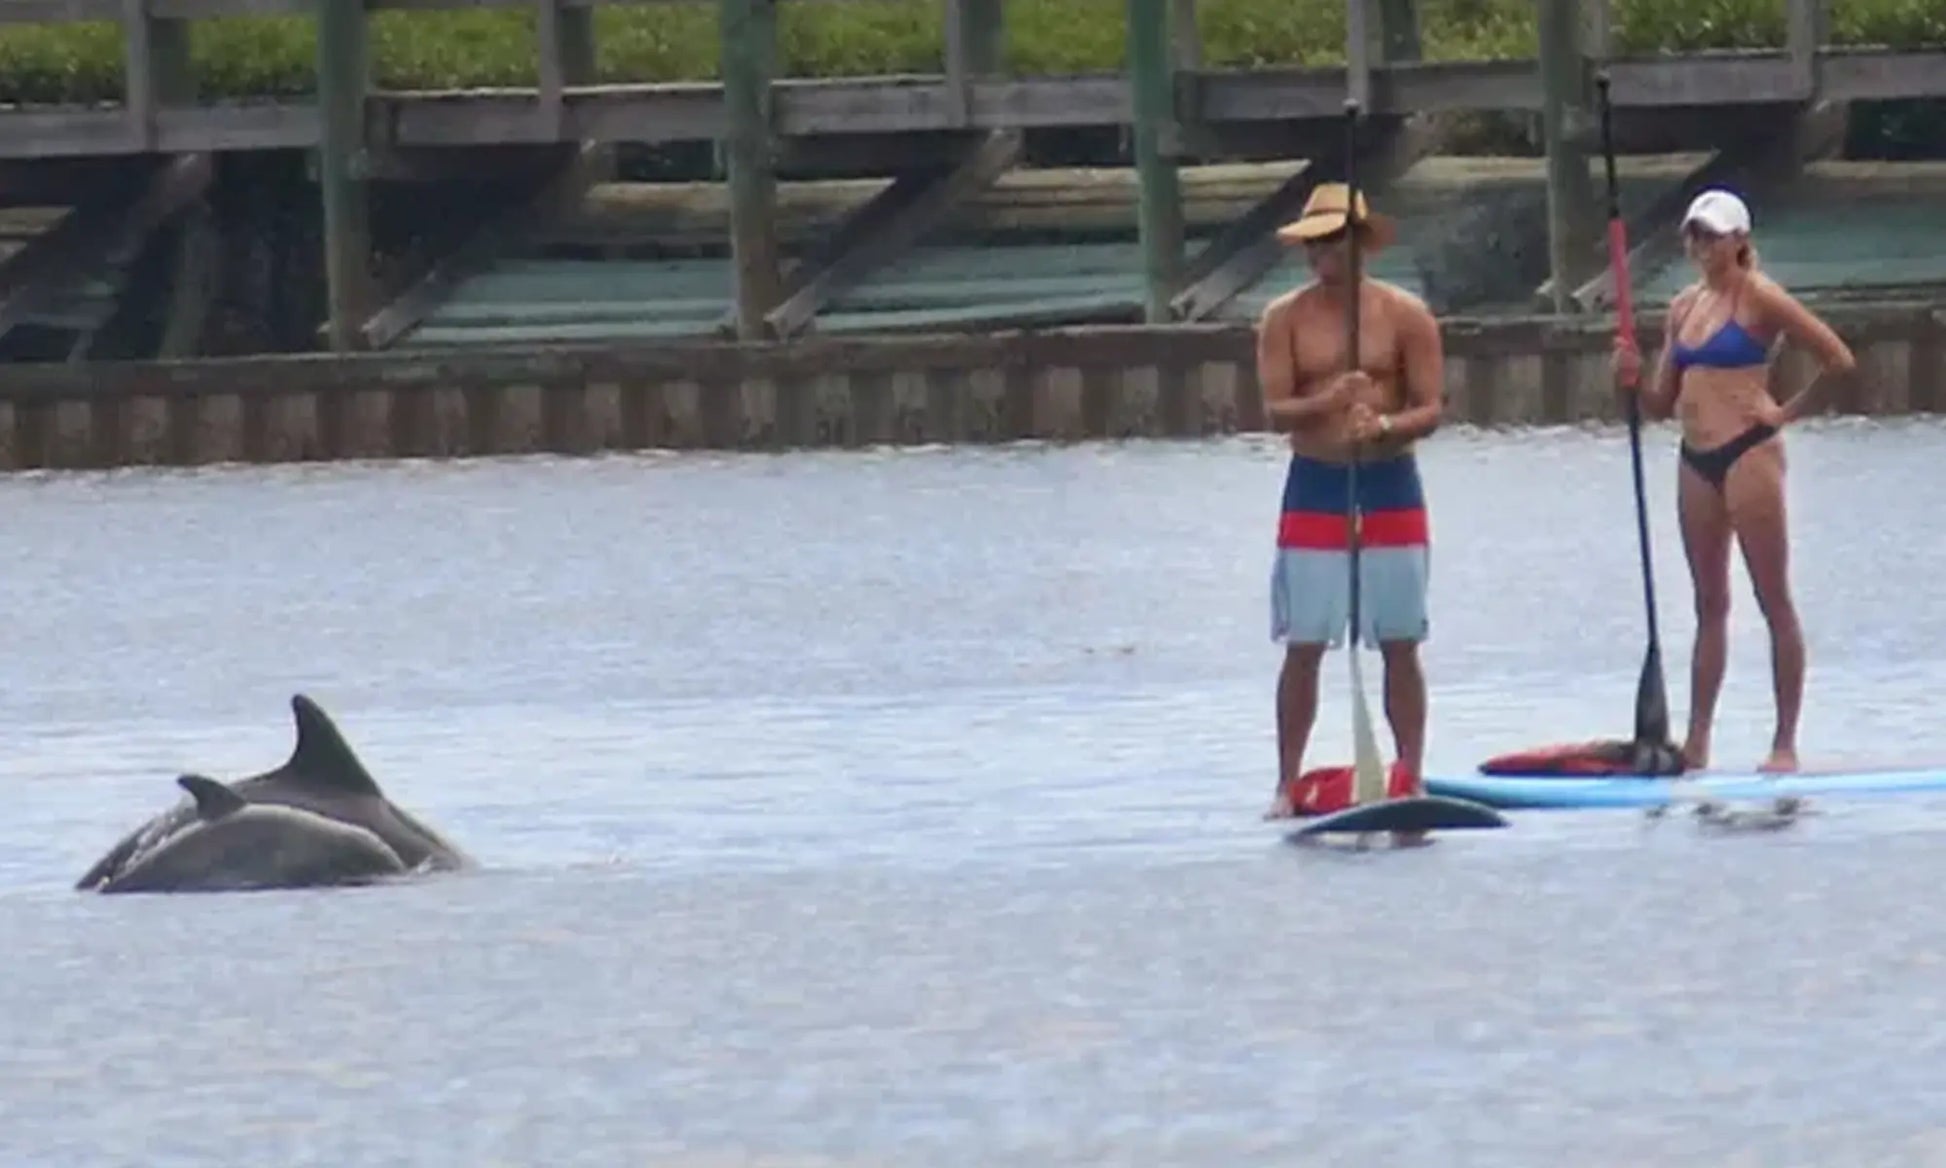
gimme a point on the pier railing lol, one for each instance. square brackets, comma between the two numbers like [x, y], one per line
[1174, 105]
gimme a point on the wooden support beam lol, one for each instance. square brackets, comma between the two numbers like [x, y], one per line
[886, 226]
[565, 40]
[1573, 222]
[1238, 258]
[976, 49]
[514, 228]
[344, 79]
[749, 46]
[1752, 163]
[1152, 81]
[92, 236]
[1807, 23]
[157, 70]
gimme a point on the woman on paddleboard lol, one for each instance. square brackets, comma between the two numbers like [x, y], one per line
[1714, 372]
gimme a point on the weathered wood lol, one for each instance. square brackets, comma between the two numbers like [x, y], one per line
[1241, 254]
[1572, 224]
[157, 70]
[505, 233]
[1152, 82]
[749, 46]
[344, 77]
[976, 45]
[1753, 164]
[91, 236]
[1805, 34]
[976, 386]
[885, 228]
[1220, 100]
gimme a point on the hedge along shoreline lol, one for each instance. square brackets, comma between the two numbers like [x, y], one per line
[272, 56]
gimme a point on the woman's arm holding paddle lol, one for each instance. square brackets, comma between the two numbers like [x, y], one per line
[1658, 398]
[1801, 325]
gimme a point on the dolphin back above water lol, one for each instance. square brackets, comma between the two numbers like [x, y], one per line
[323, 777]
[235, 846]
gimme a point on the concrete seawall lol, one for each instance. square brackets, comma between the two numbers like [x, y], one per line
[1061, 385]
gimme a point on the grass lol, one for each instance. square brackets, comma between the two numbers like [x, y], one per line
[255, 57]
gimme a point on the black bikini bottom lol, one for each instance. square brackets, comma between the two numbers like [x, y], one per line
[1714, 464]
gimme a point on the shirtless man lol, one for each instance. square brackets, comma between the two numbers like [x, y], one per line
[1378, 410]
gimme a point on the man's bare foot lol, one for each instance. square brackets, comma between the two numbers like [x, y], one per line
[1782, 761]
[1696, 754]
[1281, 806]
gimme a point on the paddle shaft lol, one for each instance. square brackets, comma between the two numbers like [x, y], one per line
[1651, 704]
[1354, 511]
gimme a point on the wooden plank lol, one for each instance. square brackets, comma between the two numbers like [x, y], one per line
[506, 232]
[90, 236]
[748, 38]
[1238, 258]
[1572, 222]
[882, 238]
[859, 107]
[1753, 163]
[1804, 34]
[344, 80]
[59, 11]
[1879, 75]
[139, 79]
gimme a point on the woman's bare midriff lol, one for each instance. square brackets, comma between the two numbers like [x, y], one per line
[1716, 405]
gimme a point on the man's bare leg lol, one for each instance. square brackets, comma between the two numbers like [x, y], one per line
[1405, 709]
[1405, 702]
[1297, 711]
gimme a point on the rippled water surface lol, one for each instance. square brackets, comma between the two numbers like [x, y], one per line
[899, 808]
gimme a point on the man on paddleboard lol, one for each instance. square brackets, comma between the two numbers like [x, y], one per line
[1377, 411]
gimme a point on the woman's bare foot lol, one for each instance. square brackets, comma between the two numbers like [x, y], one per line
[1782, 761]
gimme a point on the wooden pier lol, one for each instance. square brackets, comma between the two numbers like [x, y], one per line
[741, 362]
[940, 136]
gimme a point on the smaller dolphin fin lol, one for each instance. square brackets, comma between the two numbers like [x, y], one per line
[322, 756]
[213, 799]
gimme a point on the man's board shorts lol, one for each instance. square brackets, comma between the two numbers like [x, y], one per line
[1310, 582]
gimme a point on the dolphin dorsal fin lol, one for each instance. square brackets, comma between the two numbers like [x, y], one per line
[213, 799]
[322, 756]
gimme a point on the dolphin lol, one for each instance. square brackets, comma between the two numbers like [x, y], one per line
[232, 845]
[322, 776]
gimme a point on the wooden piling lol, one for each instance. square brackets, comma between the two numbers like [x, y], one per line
[344, 78]
[1152, 81]
[749, 46]
[1566, 118]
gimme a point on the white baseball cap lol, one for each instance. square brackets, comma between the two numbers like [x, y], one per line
[1719, 211]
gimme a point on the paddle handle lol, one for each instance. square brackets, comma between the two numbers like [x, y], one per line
[1617, 228]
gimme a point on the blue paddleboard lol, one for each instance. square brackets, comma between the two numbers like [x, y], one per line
[1510, 793]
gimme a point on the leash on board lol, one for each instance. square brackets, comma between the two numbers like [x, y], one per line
[1368, 772]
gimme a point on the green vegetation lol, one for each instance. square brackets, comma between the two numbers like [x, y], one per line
[437, 50]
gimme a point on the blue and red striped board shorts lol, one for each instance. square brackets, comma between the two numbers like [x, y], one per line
[1310, 583]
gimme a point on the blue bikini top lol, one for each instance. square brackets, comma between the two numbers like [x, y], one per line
[1729, 347]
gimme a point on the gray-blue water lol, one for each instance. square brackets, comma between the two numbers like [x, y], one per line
[900, 808]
